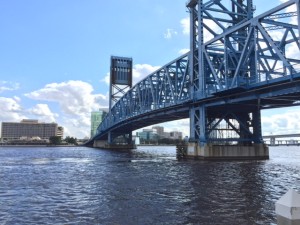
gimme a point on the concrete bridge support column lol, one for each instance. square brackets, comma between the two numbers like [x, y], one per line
[272, 141]
[227, 132]
[119, 141]
[217, 152]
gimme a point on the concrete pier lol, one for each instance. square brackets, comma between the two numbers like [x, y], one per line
[209, 151]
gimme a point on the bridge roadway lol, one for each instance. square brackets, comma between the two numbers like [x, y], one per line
[222, 84]
[272, 139]
[281, 135]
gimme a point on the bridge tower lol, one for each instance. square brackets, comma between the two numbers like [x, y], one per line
[218, 41]
[120, 83]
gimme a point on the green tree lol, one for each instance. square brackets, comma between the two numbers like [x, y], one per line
[55, 140]
[71, 140]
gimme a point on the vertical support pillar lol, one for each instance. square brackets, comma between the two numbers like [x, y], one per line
[110, 138]
[202, 125]
[129, 141]
[244, 128]
[198, 124]
[120, 83]
[193, 135]
[272, 141]
[197, 113]
[257, 133]
[225, 131]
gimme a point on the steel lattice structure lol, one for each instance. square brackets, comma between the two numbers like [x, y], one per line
[242, 53]
[238, 65]
[164, 88]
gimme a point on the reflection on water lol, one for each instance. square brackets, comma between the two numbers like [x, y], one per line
[144, 186]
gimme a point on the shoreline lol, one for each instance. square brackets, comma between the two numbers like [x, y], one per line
[40, 146]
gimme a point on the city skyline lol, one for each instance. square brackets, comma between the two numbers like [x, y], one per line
[55, 57]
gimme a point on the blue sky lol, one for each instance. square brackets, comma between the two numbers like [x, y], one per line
[55, 54]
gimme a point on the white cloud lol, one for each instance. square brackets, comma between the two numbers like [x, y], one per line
[213, 26]
[106, 79]
[169, 33]
[43, 113]
[74, 97]
[292, 8]
[183, 51]
[76, 101]
[283, 123]
[185, 24]
[139, 72]
[76, 128]
[8, 86]
[11, 110]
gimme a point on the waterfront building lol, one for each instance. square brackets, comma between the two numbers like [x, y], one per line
[96, 118]
[28, 128]
[159, 130]
[60, 131]
[176, 135]
[167, 135]
[148, 134]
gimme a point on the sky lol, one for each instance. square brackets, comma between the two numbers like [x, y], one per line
[55, 57]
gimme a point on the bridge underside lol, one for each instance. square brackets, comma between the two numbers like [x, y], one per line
[147, 119]
[228, 125]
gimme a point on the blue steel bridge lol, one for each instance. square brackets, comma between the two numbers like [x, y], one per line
[237, 66]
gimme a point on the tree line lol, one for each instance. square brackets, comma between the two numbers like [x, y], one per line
[56, 140]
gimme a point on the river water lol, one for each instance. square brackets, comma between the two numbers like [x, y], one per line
[78, 185]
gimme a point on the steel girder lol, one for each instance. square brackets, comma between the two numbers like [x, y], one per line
[166, 87]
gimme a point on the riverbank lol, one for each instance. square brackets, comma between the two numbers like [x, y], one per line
[31, 145]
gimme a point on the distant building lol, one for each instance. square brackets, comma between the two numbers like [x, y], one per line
[176, 135]
[29, 129]
[148, 134]
[60, 131]
[96, 118]
[157, 133]
[159, 130]
[166, 135]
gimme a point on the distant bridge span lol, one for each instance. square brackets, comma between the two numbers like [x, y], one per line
[232, 72]
[272, 138]
[281, 135]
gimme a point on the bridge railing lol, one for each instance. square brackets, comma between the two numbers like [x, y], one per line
[165, 87]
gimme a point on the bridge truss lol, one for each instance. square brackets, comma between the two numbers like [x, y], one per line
[238, 65]
[166, 87]
[232, 53]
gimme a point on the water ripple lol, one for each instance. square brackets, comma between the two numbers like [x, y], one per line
[144, 186]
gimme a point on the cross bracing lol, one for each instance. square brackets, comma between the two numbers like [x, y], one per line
[253, 52]
[238, 65]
